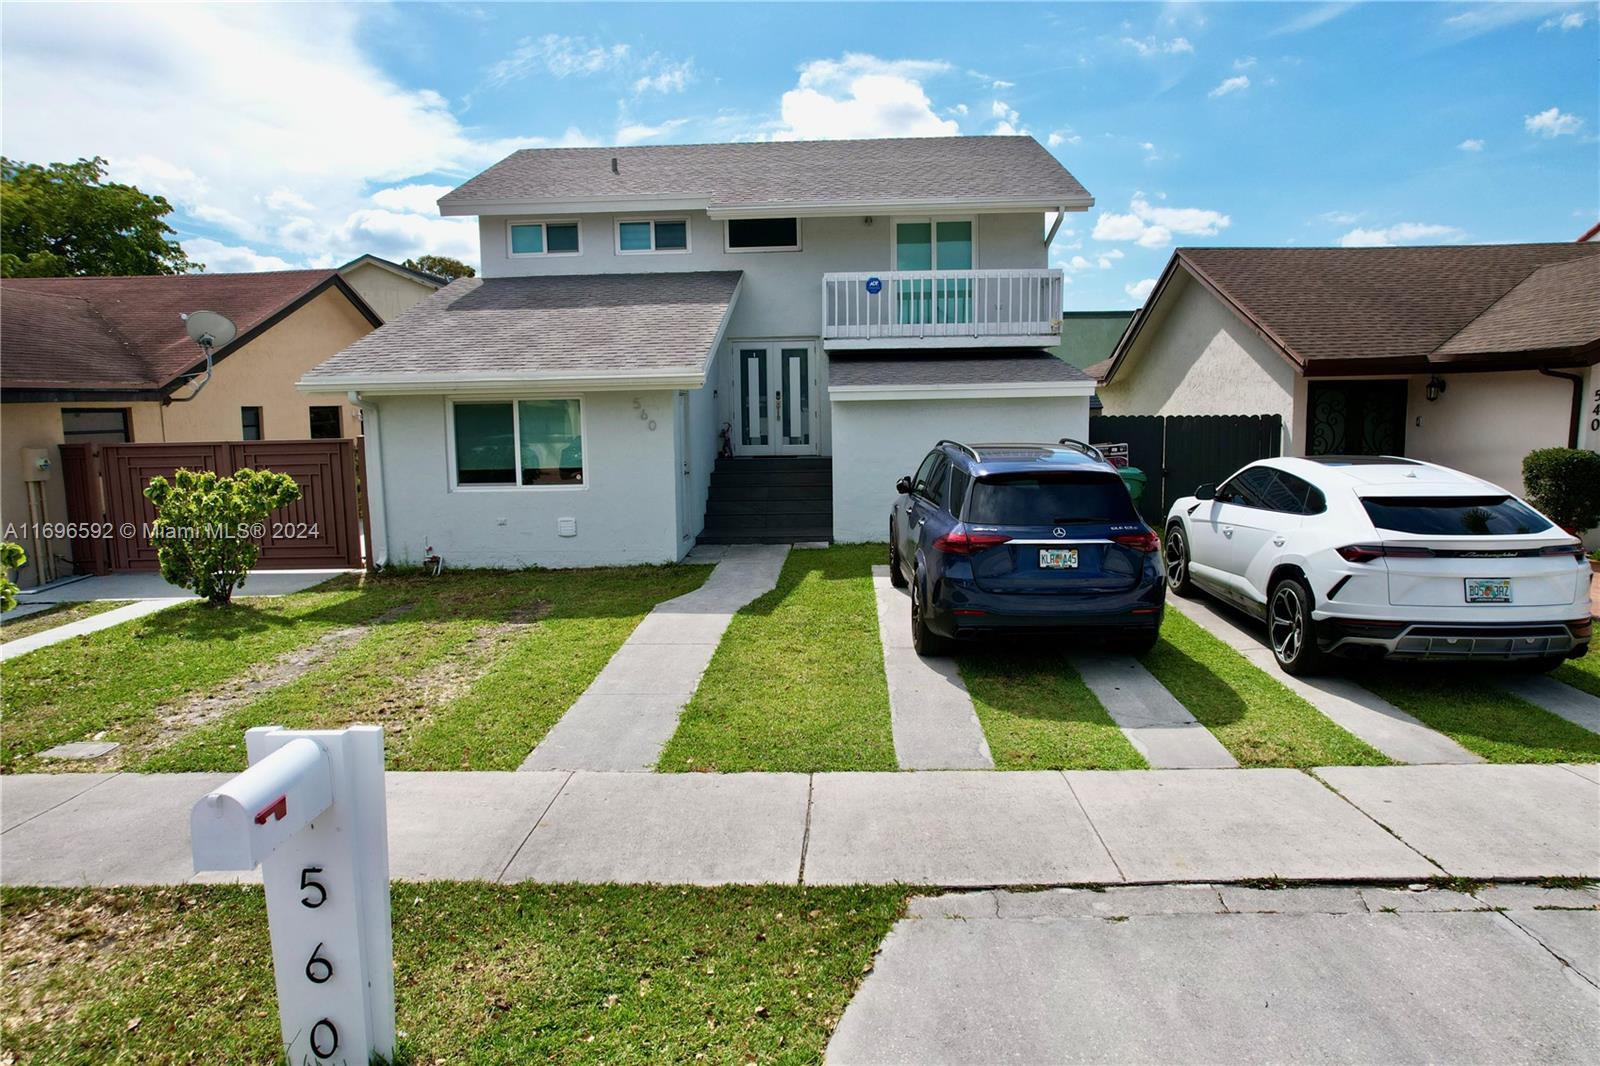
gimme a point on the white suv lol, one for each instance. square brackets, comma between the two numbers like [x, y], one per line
[1375, 556]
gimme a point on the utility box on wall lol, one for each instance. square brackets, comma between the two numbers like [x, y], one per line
[36, 464]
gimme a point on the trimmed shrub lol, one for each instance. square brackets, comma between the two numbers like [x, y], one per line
[207, 527]
[11, 557]
[1564, 483]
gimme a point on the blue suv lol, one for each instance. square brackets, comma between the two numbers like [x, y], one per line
[1001, 538]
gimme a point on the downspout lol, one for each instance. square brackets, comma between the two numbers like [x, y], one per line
[376, 500]
[1576, 419]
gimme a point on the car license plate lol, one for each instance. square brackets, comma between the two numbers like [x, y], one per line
[1058, 558]
[1488, 590]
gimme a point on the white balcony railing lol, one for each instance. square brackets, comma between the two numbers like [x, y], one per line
[947, 307]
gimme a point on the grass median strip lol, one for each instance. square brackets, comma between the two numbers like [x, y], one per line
[483, 973]
[1463, 702]
[1256, 718]
[1581, 673]
[59, 614]
[1037, 714]
[797, 682]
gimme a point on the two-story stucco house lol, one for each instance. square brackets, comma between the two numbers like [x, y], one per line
[717, 342]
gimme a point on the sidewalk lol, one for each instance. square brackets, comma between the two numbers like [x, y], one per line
[948, 828]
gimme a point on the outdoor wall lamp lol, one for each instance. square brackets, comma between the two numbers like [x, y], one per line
[1436, 386]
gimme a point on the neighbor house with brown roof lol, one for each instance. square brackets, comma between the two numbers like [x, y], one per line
[714, 343]
[1469, 355]
[108, 360]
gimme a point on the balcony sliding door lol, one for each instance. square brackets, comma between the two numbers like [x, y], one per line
[925, 244]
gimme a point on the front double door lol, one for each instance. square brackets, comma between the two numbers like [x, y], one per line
[776, 409]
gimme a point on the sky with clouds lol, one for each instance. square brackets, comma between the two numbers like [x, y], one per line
[308, 134]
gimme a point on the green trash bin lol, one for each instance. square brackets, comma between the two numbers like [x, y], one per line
[1134, 478]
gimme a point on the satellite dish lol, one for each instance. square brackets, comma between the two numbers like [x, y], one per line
[210, 330]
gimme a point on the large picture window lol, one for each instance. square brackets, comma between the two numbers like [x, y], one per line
[518, 443]
[763, 234]
[541, 238]
[642, 235]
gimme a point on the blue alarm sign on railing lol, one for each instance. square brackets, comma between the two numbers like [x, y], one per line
[874, 285]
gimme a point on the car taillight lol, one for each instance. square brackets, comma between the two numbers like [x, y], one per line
[961, 542]
[1365, 553]
[1146, 541]
[1574, 550]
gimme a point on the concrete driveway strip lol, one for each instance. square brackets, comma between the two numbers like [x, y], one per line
[1575, 705]
[1483, 821]
[1209, 988]
[83, 627]
[703, 829]
[1399, 735]
[1226, 825]
[1587, 770]
[631, 709]
[462, 826]
[930, 710]
[1152, 719]
[954, 827]
[131, 830]
[25, 796]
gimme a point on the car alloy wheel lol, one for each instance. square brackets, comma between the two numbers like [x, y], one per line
[1286, 625]
[1177, 560]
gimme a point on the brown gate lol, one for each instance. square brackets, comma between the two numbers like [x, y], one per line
[318, 531]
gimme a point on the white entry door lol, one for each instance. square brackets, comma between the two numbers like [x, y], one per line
[776, 409]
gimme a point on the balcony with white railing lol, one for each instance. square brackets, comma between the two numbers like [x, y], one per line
[941, 309]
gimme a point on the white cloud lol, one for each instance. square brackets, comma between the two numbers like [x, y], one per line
[1139, 290]
[1010, 120]
[1152, 226]
[1572, 20]
[1244, 62]
[1400, 233]
[411, 199]
[1481, 18]
[1552, 122]
[637, 133]
[284, 145]
[999, 85]
[1155, 46]
[861, 95]
[1471, 144]
[222, 258]
[1059, 137]
[557, 55]
[664, 76]
[1311, 18]
[1237, 83]
[1341, 218]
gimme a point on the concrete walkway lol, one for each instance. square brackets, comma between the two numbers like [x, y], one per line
[930, 710]
[629, 712]
[951, 829]
[84, 626]
[1152, 719]
[1575, 705]
[1209, 974]
[1399, 735]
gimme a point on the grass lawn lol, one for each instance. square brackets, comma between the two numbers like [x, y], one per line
[1037, 714]
[797, 683]
[1256, 718]
[58, 615]
[483, 973]
[468, 670]
[1581, 673]
[1465, 703]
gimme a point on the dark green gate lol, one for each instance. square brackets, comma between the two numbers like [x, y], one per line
[1178, 452]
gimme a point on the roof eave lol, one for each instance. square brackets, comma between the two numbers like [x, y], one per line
[476, 382]
[798, 209]
[963, 391]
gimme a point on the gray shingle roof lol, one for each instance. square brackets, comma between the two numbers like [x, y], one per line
[946, 367]
[570, 327]
[1558, 306]
[912, 169]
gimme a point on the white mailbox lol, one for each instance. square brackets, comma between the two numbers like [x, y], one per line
[310, 811]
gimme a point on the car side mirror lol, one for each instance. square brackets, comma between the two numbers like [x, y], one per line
[903, 486]
[1208, 491]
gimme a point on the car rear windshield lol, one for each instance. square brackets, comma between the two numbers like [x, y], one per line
[1454, 516]
[1048, 500]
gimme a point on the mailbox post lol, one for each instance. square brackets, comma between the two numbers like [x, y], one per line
[310, 812]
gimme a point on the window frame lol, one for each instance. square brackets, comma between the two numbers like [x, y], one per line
[616, 235]
[69, 436]
[727, 236]
[933, 238]
[338, 411]
[452, 472]
[544, 224]
[261, 422]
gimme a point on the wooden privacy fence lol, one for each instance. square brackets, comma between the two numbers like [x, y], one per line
[105, 486]
[1179, 452]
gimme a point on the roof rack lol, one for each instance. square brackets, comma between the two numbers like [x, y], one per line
[969, 449]
[1087, 449]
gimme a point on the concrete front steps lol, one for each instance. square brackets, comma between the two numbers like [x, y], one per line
[776, 500]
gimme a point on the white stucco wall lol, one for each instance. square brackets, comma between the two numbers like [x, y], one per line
[876, 441]
[1200, 359]
[626, 512]
[1484, 424]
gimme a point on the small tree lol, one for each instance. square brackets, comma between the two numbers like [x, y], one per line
[11, 557]
[442, 265]
[1564, 483]
[207, 527]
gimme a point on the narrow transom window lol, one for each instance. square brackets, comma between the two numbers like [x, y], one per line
[105, 425]
[325, 423]
[543, 238]
[250, 423]
[527, 443]
[653, 235]
[763, 234]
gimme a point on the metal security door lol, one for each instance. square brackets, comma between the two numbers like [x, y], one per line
[777, 405]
